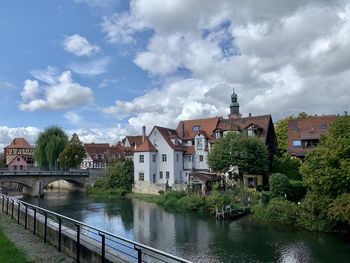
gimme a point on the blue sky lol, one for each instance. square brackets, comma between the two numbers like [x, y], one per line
[104, 68]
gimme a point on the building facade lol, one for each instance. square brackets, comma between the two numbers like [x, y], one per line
[19, 154]
[305, 133]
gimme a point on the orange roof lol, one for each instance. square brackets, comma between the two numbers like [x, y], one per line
[96, 149]
[169, 134]
[146, 146]
[190, 128]
[189, 150]
[19, 143]
[133, 140]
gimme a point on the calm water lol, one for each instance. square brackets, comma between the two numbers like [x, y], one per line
[200, 239]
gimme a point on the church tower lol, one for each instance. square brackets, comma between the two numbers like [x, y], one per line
[234, 106]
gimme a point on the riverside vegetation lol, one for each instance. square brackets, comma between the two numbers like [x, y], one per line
[9, 252]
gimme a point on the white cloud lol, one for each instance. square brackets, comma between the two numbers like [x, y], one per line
[57, 92]
[91, 68]
[5, 84]
[282, 58]
[79, 46]
[7, 134]
[73, 118]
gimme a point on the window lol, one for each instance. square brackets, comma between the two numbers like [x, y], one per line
[18, 159]
[295, 129]
[199, 144]
[167, 174]
[141, 176]
[217, 135]
[141, 158]
[201, 158]
[160, 175]
[154, 158]
[296, 143]
[164, 157]
[251, 133]
[177, 157]
[323, 126]
[196, 128]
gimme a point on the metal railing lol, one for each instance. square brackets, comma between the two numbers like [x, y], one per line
[43, 171]
[107, 245]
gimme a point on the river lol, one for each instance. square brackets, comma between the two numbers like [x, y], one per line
[198, 238]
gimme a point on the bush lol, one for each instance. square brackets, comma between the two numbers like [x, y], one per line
[216, 200]
[265, 198]
[297, 191]
[279, 185]
[191, 203]
[277, 211]
[288, 166]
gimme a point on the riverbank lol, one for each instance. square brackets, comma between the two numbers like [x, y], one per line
[20, 245]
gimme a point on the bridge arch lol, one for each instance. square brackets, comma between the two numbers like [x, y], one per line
[22, 182]
[76, 182]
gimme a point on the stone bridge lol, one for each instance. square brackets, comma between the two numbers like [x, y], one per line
[34, 181]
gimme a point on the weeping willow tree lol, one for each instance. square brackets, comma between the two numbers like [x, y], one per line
[50, 143]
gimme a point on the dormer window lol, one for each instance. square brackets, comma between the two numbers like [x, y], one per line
[218, 134]
[196, 128]
[251, 132]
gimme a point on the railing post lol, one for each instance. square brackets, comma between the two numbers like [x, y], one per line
[18, 212]
[45, 228]
[25, 218]
[78, 242]
[3, 203]
[103, 247]
[7, 206]
[13, 203]
[59, 233]
[139, 254]
[34, 223]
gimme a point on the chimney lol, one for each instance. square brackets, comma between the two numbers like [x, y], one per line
[143, 133]
[250, 115]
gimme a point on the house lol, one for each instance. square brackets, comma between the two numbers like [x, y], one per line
[132, 141]
[19, 148]
[95, 156]
[171, 158]
[19, 163]
[305, 133]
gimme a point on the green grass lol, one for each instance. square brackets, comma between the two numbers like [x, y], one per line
[106, 193]
[9, 253]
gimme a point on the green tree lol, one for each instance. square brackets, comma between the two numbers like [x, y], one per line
[73, 154]
[288, 166]
[326, 170]
[50, 143]
[249, 154]
[279, 185]
[118, 175]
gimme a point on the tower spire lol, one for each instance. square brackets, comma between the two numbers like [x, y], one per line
[234, 106]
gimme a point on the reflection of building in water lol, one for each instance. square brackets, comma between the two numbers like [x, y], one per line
[170, 232]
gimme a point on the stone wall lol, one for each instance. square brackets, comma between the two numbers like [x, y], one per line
[143, 187]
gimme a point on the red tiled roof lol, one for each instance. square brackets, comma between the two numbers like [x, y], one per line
[169, 134]
[262, 122]
[134, 140]
[146, 146]
[19, 143]
[94, 149]
[189, 150]
[185, 128]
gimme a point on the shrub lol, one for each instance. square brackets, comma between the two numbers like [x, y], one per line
[288, 166]
[297, 191]
[191, 203]
[216, 200]
[279, 185]
[265, 198]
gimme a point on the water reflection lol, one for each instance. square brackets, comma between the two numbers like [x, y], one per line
[200, 239]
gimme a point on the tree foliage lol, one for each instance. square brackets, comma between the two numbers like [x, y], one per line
[118, 175]
[326, 170]
[288, 166]
[50, 143]
[279, 185]
[73, 154]
[249, 154]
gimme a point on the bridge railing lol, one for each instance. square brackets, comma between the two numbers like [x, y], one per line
[111, 247]
[43, 171]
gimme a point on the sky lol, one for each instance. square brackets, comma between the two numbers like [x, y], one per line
[105, 68]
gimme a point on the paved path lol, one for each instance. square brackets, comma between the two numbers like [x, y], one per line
[34, 247]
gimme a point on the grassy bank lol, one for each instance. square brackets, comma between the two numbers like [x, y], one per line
[9, 252]
[106, 193]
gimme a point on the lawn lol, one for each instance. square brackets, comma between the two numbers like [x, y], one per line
[9, 253]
